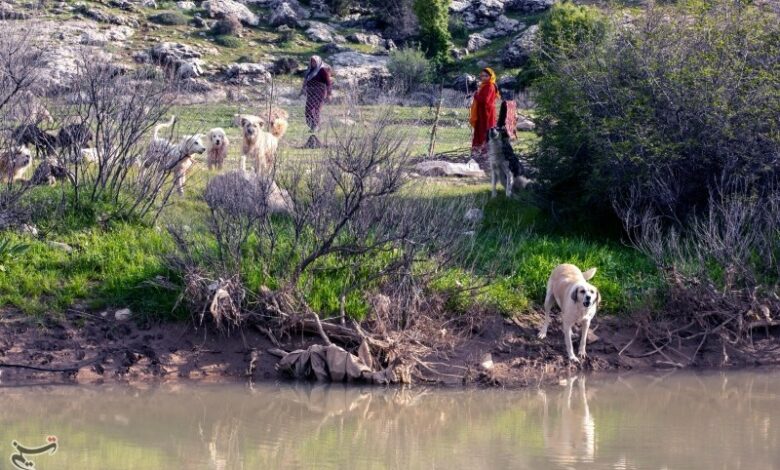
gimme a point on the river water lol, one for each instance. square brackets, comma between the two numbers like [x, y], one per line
[660, 421]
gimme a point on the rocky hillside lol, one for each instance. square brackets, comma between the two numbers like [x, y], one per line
[214, 45]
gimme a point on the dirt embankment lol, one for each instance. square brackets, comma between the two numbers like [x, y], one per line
[86, 348]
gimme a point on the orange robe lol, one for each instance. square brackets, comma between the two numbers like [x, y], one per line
[483, 113]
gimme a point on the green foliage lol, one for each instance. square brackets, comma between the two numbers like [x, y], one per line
[169, 18]
[433, 16]
[228, 41]
[568, 25]
[661, 111]
[457, 28]
[409, 68]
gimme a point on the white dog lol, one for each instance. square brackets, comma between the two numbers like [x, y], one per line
[14, 163]
[176, 157]
[217, 144]
[260, 146]
[578, 301]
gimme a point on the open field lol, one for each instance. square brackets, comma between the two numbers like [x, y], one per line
[119, 263]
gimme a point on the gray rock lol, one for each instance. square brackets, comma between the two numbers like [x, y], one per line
[474, 215]
[518, 52]
[284, 15]
[460, 6]
[123, 314]
[95, 37]
[363, 38]
[507, 83]
[186, 5]
[189, 69]
[464, 82]
[490, 8]
[529, 6]
[524, 123]
[28, 229]
[61, 246]
[334, 48]
[459, 53]
[503, 27]
[103, 17]
[176, 53]
[321, 32]
[476, 42]
[248, 73]
[223, 8]
[358, 69]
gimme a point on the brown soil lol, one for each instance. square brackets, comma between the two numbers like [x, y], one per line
[92, 349]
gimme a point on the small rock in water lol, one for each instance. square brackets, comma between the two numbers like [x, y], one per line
[123, 314]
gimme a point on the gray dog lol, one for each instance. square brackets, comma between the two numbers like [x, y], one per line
[504, 164]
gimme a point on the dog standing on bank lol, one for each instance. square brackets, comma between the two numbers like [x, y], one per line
[578, 301]
[505, 167]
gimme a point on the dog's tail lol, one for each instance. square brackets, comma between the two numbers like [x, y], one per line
[588, 275]
[279, 127]
[163, 125]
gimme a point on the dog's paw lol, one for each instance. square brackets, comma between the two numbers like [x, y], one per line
[583, 355]
[541, 335]
[574, 359]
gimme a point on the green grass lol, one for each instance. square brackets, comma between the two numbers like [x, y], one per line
[112, 264]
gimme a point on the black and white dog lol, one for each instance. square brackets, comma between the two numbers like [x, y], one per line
[504, 164]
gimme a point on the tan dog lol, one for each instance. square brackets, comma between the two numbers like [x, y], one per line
[14, 163]
[578, 301]
[260, 146]
[217, 144]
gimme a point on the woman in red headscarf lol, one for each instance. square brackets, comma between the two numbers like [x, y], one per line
[483, 111]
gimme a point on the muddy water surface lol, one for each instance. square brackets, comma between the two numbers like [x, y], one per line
[676, 421]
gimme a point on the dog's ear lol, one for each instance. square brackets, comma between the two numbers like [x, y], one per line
[598, 297]
[574, 294]
[588, 275]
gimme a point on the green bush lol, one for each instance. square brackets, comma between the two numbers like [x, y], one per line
[658, 112]
[433, 16]
[457, 28]
[169, 18]
[228, 41]
[410, 68]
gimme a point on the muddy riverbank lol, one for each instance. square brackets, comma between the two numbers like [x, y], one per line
[89, 348]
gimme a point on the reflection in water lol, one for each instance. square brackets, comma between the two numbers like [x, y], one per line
[678, 421]
[571, 434]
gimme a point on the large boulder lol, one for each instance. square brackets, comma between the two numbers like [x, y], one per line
[284, 15]
[489, 8]
[248, 73]
[321, 32]
[225, 8]
[368, 39]
[96, 37]
[180, 59]
[528, 6]
[503, 27]
[476, 42]
[518, 52]
[358, 69]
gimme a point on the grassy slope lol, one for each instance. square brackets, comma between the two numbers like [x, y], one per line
[111, 265]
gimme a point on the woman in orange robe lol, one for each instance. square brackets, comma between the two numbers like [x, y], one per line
[483, 111]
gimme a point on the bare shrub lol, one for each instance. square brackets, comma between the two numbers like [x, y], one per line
[721, 269]
[20, 65]
[228, 25]
[113, 113]
[355, 219]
